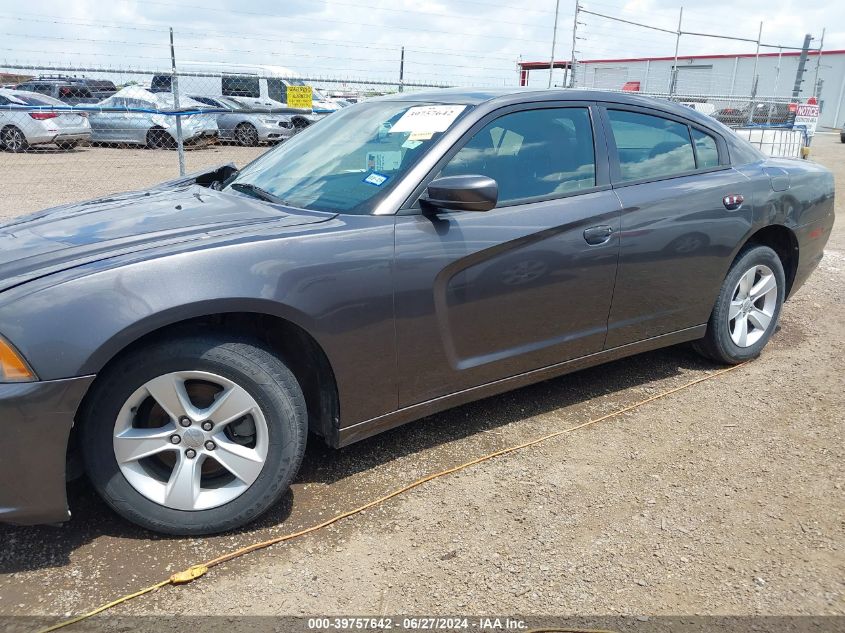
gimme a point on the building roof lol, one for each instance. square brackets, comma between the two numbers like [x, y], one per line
[564, 64]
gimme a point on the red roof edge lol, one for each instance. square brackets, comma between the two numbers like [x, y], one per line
[563, 64]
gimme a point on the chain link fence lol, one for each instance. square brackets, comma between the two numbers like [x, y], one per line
[69, 134]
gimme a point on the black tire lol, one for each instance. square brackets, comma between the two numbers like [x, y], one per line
[245, 362]
[13, 140]
[159, 138]
[717, 344]
[246, 135]
[842, 137]
[68, 145]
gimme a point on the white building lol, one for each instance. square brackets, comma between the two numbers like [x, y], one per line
[713, 76]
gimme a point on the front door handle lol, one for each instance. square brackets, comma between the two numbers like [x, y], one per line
[596, 235]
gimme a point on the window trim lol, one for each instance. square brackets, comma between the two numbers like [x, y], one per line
[411, 205]
[613, 151]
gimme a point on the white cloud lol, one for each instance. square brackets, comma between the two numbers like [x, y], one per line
[465, 42]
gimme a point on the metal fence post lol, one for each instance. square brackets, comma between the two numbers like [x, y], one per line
[754, 77]
[571, 78]
[174, 85]
[402, 70]
[554, 41]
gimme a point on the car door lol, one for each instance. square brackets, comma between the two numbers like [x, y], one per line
[104, 125]
[684, 211]
[486, 295]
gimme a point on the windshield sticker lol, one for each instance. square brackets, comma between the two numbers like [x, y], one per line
[432, 118]
[419, 136]
[376, 179]
[384, 161]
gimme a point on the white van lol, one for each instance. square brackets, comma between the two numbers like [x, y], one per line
[261, 86]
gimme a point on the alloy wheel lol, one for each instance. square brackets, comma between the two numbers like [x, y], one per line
[753, 306]
[13, 139]
[191, 440]
[246, 135]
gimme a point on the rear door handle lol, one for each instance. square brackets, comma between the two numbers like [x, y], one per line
[596, 235]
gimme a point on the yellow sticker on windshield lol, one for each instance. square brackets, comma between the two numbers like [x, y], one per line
[419, 136]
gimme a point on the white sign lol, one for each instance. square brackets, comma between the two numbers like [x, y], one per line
[807, 117]
[433, 118]
[384, 161]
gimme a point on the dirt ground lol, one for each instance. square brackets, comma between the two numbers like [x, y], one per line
[724, 498]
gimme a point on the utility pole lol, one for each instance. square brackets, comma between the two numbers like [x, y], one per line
[554, 41]
[402, 70]
[673, 76]
[802, 62]
[569, 73]
[174, 85]
[816, 90]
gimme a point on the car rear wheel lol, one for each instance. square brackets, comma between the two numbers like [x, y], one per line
[747, 310]
[194, 435]
[159, 138]
[246, 135]
[13, 140]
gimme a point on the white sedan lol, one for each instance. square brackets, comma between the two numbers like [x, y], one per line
[29, 118]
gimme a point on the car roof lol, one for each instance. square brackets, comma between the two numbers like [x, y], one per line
[6, 92]
[510, 96]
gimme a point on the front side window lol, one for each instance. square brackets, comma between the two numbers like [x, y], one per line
[531, 154]
[348, 162]
[706, 150]
[241, 86]
[650, 146]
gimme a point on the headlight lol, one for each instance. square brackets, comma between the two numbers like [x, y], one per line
[13, 367]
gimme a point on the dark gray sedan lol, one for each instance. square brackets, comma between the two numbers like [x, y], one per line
[403, 256]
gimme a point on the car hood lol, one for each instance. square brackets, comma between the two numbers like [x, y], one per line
[72, 235]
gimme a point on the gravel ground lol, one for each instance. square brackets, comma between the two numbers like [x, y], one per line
[46, 176]
[724, 498]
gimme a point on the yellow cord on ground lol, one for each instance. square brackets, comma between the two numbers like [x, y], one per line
[196, 571]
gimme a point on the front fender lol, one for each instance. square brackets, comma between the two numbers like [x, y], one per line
[72, 324]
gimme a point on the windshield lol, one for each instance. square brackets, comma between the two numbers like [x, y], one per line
[350, 160]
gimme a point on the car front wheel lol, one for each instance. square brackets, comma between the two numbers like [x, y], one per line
[194, 435]
[747, 309]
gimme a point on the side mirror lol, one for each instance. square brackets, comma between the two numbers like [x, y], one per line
[461, 193]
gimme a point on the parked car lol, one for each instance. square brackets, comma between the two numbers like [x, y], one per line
[69, 91]
[699, 105]
[774, 113]
[247, 127]
[136, 116]
[254, 85]
[39, 124]
[403, 256]
[99, 88]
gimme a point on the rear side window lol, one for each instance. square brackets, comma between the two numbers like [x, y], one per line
[161, 83]
[531, 154]
[241, 86]
[74, 92]
[706, 150]
[650, 146]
